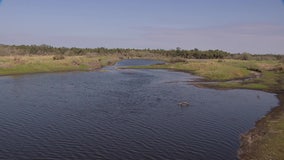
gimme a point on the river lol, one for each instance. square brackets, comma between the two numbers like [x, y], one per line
[123, 114]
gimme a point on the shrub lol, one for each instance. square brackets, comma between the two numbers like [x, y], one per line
[58, 57]
[75, 63]
[246, 56]
[221, 60]
[176, 60]
[282, 60]
[254, 69]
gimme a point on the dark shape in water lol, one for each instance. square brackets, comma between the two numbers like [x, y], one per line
[183, 104]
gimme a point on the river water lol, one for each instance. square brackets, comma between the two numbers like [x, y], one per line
[123, 114]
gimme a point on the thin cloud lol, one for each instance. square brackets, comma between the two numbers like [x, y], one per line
[254, 38]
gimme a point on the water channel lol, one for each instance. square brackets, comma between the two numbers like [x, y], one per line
[123, 114]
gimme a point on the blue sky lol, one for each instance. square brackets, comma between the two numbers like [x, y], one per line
[255, 26]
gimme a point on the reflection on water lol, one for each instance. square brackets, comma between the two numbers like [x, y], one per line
[123, 114]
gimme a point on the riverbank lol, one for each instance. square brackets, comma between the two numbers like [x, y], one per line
[15, 65]
[30, 64]
[266, 140]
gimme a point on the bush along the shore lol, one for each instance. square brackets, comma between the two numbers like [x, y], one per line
[6, 50]
[58, 57]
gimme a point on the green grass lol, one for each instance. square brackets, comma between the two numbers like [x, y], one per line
[226, 70]
[10, 65]
[269, 81]
[209, 69]
[214, 72]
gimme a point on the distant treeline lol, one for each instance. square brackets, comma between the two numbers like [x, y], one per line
[178, 52]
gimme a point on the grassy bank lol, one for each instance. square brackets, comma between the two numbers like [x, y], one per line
[266, 140]
[11, 65]
[250, 74]
[209, 69]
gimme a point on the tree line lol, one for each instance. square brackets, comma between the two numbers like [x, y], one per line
[178, 52]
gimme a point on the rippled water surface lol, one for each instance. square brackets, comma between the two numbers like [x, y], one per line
[123, 114]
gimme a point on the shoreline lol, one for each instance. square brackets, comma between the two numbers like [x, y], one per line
[250, 140]
[34, 73]
[249, 147]
[28, 65]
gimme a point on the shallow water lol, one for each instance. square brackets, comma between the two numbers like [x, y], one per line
[123, 114]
